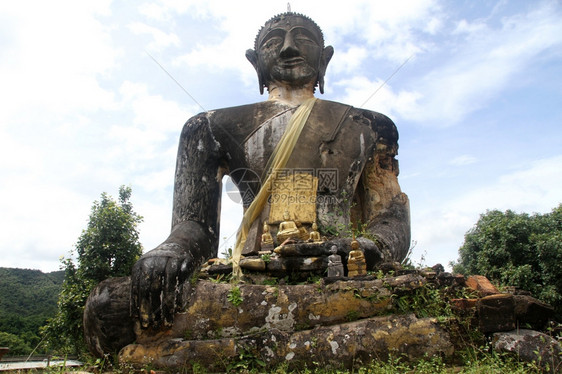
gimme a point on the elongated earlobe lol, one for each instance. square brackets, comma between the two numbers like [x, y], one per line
[252, 56]
[327, 54]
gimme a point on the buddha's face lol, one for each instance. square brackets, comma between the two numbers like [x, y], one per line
[290, 51]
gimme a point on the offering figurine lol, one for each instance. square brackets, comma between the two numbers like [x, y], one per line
[303, 233]
[287, 229]
[335, 266]
[356, 264]
[314, 236]
[266, 238]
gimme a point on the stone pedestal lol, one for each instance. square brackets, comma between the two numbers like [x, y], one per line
[337, 324]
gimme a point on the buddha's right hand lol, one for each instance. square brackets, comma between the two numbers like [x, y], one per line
[158, 284]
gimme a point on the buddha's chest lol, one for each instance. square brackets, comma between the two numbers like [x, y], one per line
[332, 149]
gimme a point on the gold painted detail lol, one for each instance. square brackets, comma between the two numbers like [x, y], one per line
[295, 194]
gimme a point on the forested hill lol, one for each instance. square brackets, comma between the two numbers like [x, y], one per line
[27, 299]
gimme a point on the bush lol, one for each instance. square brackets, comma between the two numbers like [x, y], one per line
[109, 247]
[519, 250]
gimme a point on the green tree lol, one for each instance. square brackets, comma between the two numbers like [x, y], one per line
[28, 298]
[108, 247]
[17, 345]
[517, 249]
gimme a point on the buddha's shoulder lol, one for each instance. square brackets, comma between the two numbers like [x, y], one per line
[378, 122]
[264, 109]
[356, 112]
[237, 122]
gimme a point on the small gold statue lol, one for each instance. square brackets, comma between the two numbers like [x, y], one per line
[314, 236]
[266, 238]
[356, 264]
[303, 233]
[287, 229]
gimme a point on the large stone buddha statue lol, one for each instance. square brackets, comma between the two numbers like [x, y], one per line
[348, 152]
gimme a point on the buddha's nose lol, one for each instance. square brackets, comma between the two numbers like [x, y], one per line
[290, 48]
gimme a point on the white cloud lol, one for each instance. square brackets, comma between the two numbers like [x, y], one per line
[155, 11]
[157, 214]
[54, 54]
[487, 63]
[463, 160]
[390, 30]
[433, 26]
[60, 126]
[471, 29]
[439, 229]
[150, 138]
[153, 111]
[160, 38]
[36, 234]
[231, 216]
[348, 61]
[360, 91]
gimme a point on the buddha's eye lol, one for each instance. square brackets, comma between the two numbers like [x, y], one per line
[305, 39]
[272, 42]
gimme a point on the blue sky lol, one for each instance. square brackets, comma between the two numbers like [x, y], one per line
[85, 109]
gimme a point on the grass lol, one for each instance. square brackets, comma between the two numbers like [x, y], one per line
[475, 361]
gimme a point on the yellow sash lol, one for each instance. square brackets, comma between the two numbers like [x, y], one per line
[277, 161]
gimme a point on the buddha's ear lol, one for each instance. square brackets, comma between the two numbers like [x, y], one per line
[252, 56]
[327, 54]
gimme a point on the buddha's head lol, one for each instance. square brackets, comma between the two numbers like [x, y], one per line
[289, 49]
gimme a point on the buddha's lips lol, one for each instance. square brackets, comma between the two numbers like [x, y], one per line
[290, 62]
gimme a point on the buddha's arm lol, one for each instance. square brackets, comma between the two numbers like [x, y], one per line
[384, 207]
[160, 276]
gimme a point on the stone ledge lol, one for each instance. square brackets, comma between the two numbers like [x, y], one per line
[339, 345]
[496, 313]
[482, 285]
[284, 307]
[531, 346]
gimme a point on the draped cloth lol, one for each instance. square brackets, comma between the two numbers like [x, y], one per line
[277, 161]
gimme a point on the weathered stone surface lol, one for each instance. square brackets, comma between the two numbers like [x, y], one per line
[496, 313]
[342, 344]
[431, 275]
[482, 285]
[404, 283]
[459, 279]
[303, 249]
[220, 269]
[447, 279]
[531, 312]
[112, 328]
[292, 307]
[285, 265]
[254, 264]
[438, 268]
[387, 267]
[531, 346]
[464, 305]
